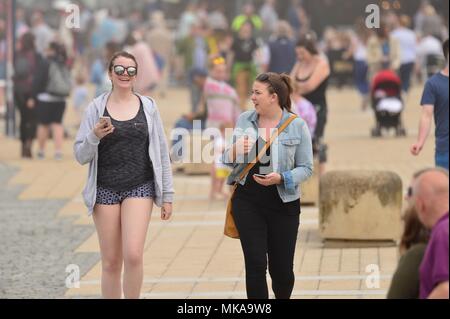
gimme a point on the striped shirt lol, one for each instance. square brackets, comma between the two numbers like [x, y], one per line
[221, 102]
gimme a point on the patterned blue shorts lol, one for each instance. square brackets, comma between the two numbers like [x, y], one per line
[110, 197]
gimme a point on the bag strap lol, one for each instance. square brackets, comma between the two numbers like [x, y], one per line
[264, 149]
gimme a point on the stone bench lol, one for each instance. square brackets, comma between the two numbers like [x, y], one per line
[360, 205]
[198, 157]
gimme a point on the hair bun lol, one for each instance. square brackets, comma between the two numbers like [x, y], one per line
[288, 81]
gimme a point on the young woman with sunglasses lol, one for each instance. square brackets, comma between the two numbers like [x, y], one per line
[129, 171]
[266, 209]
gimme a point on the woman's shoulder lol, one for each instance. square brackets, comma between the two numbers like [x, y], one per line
[415, 252]
[298, 122]
[417, 248]
[295, 128]
[93, 104]
[246, 115]
[148, 103]
[97, 102]
[322, 60]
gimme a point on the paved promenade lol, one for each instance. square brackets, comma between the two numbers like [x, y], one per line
[44, 226]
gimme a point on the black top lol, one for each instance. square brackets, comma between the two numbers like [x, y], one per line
[318, 96]
[405, 283]
[243, 49]
[124, 162]
[264, 195]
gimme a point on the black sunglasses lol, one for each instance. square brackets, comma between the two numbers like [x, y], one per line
[263, 78]
[120, 70]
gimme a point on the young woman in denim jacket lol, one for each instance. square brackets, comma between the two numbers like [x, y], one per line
[266, 209]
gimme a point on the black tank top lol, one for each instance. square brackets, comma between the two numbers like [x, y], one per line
[124, 162]
[264, 195]
[318, 96]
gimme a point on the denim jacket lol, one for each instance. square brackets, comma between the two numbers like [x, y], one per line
[292, 155]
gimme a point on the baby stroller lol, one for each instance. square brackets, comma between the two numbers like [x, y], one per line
[387, 103]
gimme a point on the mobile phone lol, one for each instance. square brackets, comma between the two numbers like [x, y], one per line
[105, 120]
[260, 175]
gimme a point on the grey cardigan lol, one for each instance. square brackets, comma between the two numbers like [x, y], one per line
[86, 150]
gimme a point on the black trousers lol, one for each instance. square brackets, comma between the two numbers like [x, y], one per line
[268, 235]
[319, 148]
[28, 121]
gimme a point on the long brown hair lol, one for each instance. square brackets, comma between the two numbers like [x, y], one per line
[414, 232]
[27, 42]
[309, 42]
[279, 84]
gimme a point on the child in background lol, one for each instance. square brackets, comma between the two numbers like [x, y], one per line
[305, 110]
[220, 171]
[80, 96]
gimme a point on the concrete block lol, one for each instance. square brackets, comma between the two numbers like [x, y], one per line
[197, 169]
[198, 158]
[360, 205]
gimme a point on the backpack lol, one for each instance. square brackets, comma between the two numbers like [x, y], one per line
[59, 80]
[24, 66]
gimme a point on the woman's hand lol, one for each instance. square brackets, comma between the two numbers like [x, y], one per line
[270, 179]
[242, 147]
[101, 130]
[166, 211]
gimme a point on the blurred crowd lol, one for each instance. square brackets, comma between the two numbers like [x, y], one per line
[213, 55]
[217, 58]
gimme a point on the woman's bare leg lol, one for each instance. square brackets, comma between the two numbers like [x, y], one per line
[107, 222]
[136, 214]
[42, 136]
[58, 136]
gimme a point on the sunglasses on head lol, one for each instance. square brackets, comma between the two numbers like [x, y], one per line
[120, 70]
[265, 78]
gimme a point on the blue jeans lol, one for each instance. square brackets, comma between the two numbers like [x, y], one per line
[405, 75]
[441, 159]
[361, 70]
